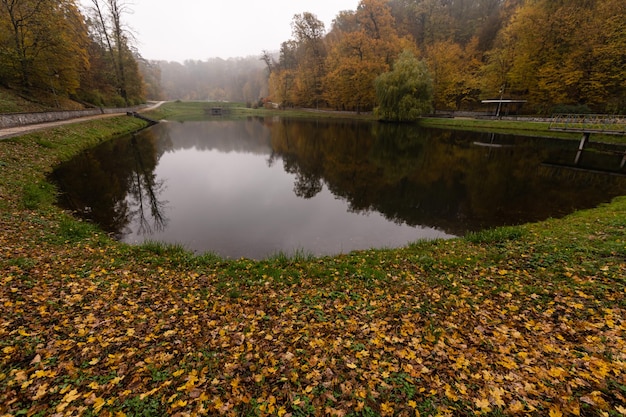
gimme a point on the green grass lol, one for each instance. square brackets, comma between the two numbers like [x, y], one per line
[517, 127]
[501, 234]
[38, 195]
[190, 111]
[298, 255]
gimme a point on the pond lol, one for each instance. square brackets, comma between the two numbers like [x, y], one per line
[261, 186]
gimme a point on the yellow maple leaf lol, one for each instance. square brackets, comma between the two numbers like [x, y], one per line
[23, 332]
[361, 393]
[67, 399]
[235, 382]
[621, 410]
[516, 407]
[483, 404]
[147, 394]
[450, 394]
[496, 394]
[555, 411]
[8, 350]
[98, 404]
[116, 380]
[461, 388]
[386, 409]
[557, 372]
[41, 391]
[179, 403]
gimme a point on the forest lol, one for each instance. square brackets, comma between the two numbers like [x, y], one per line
[50, 50]
[557, 55]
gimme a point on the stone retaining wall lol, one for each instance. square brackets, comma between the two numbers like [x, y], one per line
[21, 119]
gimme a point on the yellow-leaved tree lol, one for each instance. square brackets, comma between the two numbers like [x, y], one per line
[43, 45]
[364, 45]
[559, 54]
[455, 71]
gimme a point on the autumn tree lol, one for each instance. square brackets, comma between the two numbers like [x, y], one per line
[458, 21]
[108, 29]
[405, 93]
[353, 66]
[555, 53]
[43, 45]
[282, 78]
[455, 71]
[151, 75]
[607, 63]
[367, 49]
[310, 52]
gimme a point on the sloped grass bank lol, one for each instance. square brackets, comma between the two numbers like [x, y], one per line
[527, 320]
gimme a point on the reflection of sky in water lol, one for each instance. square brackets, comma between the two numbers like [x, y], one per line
[235, 205]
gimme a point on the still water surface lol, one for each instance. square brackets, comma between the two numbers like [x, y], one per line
[253, 188]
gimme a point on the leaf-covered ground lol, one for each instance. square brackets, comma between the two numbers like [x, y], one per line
[527, 320]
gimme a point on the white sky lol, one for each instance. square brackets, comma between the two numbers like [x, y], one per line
[176, 30]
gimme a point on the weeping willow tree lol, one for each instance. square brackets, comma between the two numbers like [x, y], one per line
[406, 92]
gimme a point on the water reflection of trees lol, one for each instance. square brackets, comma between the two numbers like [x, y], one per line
[144, 189]
[308, 171]
[241, 136]
[113, 183]
[421, 177]
[432, 177]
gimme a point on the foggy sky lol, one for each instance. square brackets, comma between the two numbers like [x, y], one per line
[176, 30]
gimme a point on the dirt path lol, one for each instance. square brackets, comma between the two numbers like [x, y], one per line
[21, 130]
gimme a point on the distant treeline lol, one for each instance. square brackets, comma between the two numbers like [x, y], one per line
[216, 79]
[558, 55]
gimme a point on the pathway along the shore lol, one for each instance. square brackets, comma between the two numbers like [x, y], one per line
[22, 130]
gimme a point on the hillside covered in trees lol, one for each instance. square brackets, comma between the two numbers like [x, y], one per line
[557, 55]
[52, 52]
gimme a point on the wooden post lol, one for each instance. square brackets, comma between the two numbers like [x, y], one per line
[581, 146]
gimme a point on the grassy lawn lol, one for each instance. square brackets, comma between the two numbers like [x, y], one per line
[526, 320]
[521, 128]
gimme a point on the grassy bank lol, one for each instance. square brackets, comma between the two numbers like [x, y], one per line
[516, 127]
[527, 320]
[184, 111]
